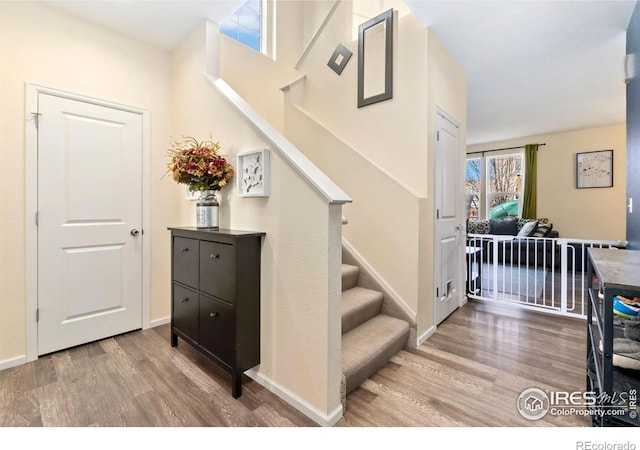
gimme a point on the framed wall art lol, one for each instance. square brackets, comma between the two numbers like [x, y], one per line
[253, 173]
[594, 169]
[375, 59]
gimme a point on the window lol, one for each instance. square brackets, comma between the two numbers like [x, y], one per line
[245, 25]
[473, 187]
[494, 186]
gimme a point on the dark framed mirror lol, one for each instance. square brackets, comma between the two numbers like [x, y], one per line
[375, 59]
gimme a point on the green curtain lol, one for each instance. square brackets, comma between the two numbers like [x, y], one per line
[530, 181]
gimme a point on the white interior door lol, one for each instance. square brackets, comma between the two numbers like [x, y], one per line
[448, 226]
[89, 206]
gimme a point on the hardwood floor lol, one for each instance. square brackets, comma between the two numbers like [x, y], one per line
[469, 373]
[472, 370]
[135, 380]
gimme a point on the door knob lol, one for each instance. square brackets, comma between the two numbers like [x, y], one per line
[134, 232]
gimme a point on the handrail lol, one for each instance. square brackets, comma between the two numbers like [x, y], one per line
[316, 35]
[303, 165]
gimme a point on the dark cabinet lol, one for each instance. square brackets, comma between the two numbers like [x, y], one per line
[216, 296]
[610, 272]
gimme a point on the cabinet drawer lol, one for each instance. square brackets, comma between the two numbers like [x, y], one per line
[185, 261]
[185, 311]
[217, 329]
[218, 270]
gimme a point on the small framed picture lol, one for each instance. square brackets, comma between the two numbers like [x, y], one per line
[191, 195]
[594, 169]
[253, 173]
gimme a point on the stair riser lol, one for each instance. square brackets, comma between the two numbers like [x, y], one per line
[361, 315]
[349, 279]
[377, 362]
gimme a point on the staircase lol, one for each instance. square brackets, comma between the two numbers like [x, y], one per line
[369, 338]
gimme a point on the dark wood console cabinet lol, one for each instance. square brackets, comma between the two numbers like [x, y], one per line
[215, 296]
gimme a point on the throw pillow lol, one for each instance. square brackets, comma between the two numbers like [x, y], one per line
[542, 230]
[528, 228]
[478, 227]
[504, 227]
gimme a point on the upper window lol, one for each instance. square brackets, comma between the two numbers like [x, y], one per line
[473, 187]
[245, 25]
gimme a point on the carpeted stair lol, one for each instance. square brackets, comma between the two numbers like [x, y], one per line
[369, 338]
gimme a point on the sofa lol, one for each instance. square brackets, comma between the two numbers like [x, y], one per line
[516, 245]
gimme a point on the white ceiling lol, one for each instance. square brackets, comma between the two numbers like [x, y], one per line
[532, 66]
[535, 66]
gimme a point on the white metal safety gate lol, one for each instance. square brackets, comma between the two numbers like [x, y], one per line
[545, 274]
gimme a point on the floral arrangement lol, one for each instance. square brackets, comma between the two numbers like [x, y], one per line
[198, 164]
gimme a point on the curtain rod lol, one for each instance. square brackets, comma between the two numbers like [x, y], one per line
[501, 149]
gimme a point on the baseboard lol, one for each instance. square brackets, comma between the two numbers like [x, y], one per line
[12, 362]
[161, 321]
[300, 404]
[426, 335]
[378, 279]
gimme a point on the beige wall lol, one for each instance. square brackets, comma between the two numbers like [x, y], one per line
[258, 77]
[382, 154]
[42, 45]
[300, 289]
[391, 134]
[578, 213]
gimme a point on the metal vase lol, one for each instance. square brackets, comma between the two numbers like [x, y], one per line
[207, 211]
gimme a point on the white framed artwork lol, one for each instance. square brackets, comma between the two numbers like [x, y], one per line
[253, 173]
[191, 195]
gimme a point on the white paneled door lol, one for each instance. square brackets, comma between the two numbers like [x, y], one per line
[89, 222]
[448, 227]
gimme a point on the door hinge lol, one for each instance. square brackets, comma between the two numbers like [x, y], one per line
[36, 119]
[37, 314]
[437, 136]
[36, 218]
[437, 213]
[437, 292]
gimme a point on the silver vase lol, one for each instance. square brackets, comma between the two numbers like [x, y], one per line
[208, 211]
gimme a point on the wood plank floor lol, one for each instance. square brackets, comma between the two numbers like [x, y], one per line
[472, 370]
[469, 373]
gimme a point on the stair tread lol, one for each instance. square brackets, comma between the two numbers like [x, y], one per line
[366, 348]
[350, 276]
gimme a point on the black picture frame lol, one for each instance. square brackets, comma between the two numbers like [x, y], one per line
[594, 169]
[385, 18]
[339, 59]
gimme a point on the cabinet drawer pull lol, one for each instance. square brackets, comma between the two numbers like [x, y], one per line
[212, 256]
[184, 249]
[186, 299]
[213, 315]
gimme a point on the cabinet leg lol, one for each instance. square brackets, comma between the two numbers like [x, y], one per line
[236, 384]
[174, 340]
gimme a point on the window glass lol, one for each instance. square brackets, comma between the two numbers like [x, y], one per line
[473, 187]
[503, 186]
[245, 25]
[494, 185]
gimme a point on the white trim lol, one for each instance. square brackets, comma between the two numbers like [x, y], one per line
[316, 35]
[31, 205]
[12, 362]
[325, 420]
[426, 335]
[158, 322]
[330, 191]
[31, 230]
[289, 85]
[381, 281]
